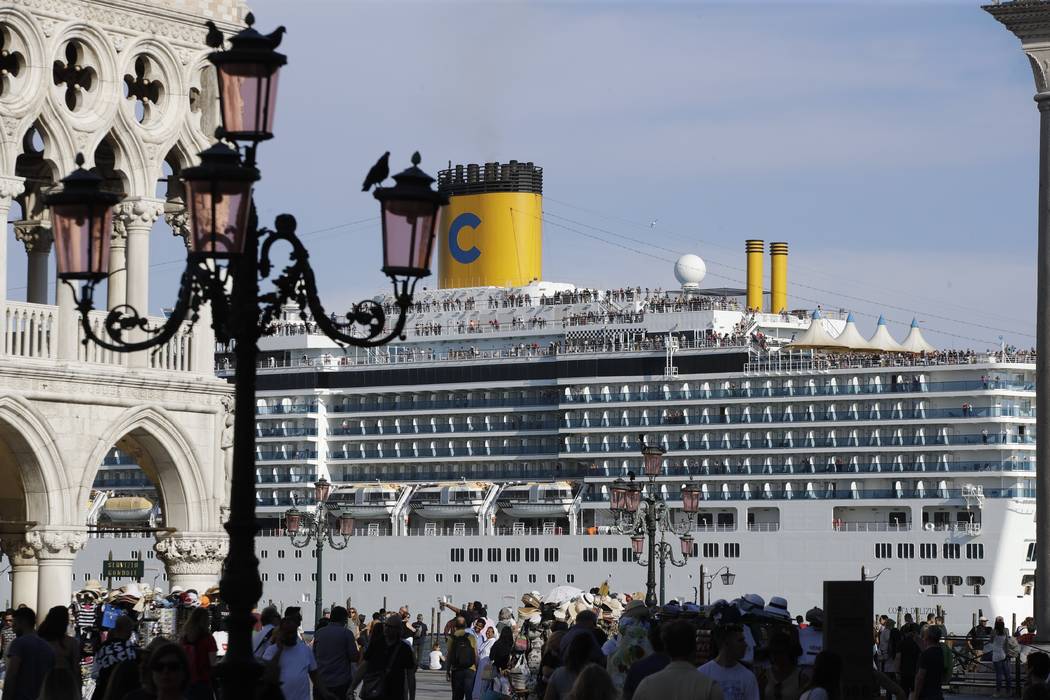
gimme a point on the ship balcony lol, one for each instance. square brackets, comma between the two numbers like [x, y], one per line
[263, 433]
[286, 456]
[801, 415]
[408, 406]
[799, 391]
[281, 477]
[466, 453]
[446, 429]
[262, 501]
[136, 482]
[279, 409]
[778, 492]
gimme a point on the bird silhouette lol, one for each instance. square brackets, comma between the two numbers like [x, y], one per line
[214, 36]
[379, 172]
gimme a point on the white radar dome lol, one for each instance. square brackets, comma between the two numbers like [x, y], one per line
[690, 270]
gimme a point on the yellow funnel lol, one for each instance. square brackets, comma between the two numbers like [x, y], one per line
[755, 252]
[778, 282]
[491, 232]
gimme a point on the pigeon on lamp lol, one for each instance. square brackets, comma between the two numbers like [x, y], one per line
[379, 172]
[214, 36]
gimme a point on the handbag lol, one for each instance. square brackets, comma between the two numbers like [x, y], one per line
[373, 685]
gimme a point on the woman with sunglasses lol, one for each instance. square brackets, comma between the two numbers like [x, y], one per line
[169, 670]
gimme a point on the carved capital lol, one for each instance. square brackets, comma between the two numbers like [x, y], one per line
[11, 187]
[135, 215]
[53, 543]
[192, 554]
[176, 216]
[16, 547]
[35, 235]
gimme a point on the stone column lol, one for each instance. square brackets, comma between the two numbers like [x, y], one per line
[10, 187]
[37, 238]
[136, 217]
[23, 569]
[117, 282]
[203, 349]
[56, 549]
[193, 560]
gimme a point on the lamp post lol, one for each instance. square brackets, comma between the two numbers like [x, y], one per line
[651, 524]
[728, 577]
[228, 250]
[316, 527]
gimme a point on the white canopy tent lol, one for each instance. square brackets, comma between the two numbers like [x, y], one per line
[814, 337]
[915, 343]
[882, 340]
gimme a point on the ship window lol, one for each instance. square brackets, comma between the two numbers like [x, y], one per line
[456, 578]
[494, 553]
[439, 577]
[474, 578]
[950, 582]
[883, 550]
[513, 578]
[403, 578]
[262, 555]
[149, 554]
[456, 554]
[977, 582]
[332, 577]
[975, 551]
[513, 554]
[349, 578]
[475, 553]
[951, 551]
[265, 577]
[628, 553]
[532, 554]
[313, 577]
[905, 551]
[280, 577]
[1031, 552]
[928, 551]
[570, 578]
[550, 578]
[590, 554]
[280, 554]
[421, 578]
[368, 578]
[898, 518]
[732, 549]
[929, 582]
[298, 577]
[609, 554]
[710, 550]
[532, 578]
[494, 578]
[383, 578]
[550, 554]
[298, 554]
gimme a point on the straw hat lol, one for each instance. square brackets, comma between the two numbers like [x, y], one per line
[778, 607]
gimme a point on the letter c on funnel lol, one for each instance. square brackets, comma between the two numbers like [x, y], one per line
[464, 220]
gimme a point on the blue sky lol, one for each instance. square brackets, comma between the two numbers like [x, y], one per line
[893, 145]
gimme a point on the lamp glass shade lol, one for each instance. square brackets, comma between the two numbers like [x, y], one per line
[690, 499]
[687, 546]
[82, 237]
[408, 236]
[637, 543]
[618, 497]
[652, 458]
[346, 525]
[633, 500]
[218, 216]
[728, 578]
[248, 99]
[293, 519]
[322, 490]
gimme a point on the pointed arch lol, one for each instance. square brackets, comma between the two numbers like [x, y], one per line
[27, 440]
[167, 456]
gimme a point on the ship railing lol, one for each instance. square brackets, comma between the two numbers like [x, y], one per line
[809, 360]
[868, 526]
[763, 527]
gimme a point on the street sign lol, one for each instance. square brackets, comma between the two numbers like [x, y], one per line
[123, 568]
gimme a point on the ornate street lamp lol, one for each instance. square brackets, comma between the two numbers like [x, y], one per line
[653, 522]
[318, 530]
[82, 222]
[229, 253]
[691, 498]
[727, 576]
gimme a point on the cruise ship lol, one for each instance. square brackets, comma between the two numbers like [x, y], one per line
[477, 455]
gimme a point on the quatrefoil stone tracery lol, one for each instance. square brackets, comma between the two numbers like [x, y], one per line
[74, 76]
[144, 89]
[11, 62]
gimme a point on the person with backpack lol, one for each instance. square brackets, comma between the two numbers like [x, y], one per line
[388, 667]
[462, 659]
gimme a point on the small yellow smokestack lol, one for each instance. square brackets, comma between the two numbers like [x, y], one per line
[778, 278]
[756, 250]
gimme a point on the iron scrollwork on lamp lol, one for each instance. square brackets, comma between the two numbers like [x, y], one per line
[647, 518]
[228, 256]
